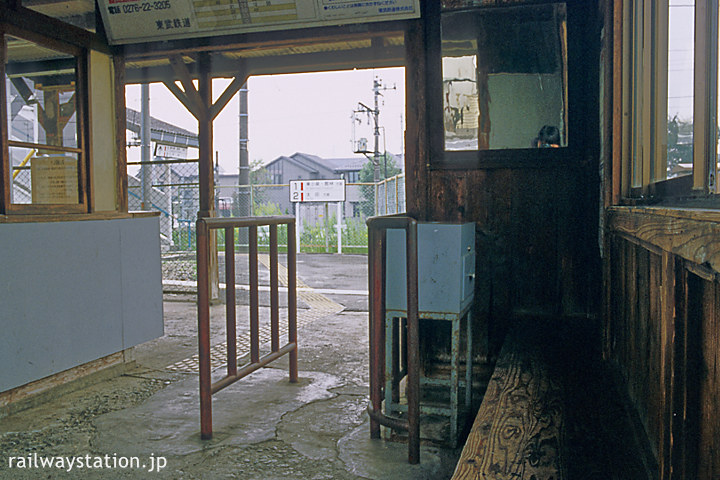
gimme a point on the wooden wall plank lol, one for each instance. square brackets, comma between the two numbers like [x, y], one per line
[707, 379]
[536, 238]
[679, 403]
[664, 337]
[666, 314]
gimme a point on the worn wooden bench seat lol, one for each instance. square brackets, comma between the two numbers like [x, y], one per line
[518, 431]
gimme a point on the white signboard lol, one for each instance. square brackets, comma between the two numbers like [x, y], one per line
[170, 151]
[131, 21]
[317, 190]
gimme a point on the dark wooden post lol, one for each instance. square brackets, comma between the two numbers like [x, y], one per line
[121, 194]
[205, 138]
[422, 62]
[199, 103]
[205, 164]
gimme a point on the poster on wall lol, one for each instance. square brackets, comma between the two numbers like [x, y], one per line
[132, 21]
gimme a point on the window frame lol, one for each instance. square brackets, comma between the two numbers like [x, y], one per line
[81, 111]
[648, 52]
[577, 60]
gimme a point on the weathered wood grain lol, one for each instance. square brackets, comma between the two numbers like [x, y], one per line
[517, 433]
[662, 336]
[691, 234]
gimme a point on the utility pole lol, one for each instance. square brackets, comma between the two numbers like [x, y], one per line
[244, 207]
[376, 133]
[146, 168]
[375, 113]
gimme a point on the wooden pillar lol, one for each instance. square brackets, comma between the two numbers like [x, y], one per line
[422, 70]
[205, 164]
[199, 103]
[205, 139]
[121, 195]
[5, 164]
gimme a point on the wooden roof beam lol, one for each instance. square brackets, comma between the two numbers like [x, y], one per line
[191, 98]
[300, 36]
[386, 56]
[181, 96]
[227, 95]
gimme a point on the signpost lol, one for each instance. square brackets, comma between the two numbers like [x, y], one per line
[317, 190]
[306, 191]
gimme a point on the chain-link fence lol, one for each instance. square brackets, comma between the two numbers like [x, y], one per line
[390, 195]
[171, 187]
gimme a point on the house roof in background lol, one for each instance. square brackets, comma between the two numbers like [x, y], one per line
[300, 163]
[312, 163]
[161, 132]
[347, 164]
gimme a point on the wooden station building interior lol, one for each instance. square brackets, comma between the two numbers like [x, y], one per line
[598, 234]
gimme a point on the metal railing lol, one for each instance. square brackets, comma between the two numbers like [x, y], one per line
[377, 227]
[204, 227]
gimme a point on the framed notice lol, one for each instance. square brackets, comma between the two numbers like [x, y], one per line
[54, 180]
[132, 21]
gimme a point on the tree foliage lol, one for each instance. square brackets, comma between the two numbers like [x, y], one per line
[367, 173]
[679, 149]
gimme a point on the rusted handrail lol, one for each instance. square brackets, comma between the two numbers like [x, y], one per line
[204, 226]
[377, 227]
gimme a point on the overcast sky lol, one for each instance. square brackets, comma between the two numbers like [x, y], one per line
[309, 113]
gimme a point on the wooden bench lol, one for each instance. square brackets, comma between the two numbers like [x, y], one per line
[518, 432]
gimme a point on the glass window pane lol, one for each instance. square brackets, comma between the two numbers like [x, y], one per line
[20, 182]
[505, 77]
[637, 94]
[681, 51]
[40, 85]
[460, 102]
[50, 178]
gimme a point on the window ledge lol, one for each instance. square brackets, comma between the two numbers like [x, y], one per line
[74, 218]
[687, 213]
[690, 233]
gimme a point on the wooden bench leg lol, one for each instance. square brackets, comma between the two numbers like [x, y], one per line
[454, 380]
[468, 362]
[389, 356]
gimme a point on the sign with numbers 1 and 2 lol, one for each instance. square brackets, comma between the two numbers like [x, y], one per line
[304, 191]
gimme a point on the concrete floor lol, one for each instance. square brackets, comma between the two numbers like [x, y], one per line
[264, 427]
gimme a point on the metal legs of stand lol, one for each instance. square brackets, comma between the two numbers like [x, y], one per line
[396, 368]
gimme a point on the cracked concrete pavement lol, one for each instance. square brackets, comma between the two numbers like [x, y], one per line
[264, 427]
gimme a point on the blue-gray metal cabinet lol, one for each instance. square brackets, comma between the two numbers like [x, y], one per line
[446, 267]
[446, 285]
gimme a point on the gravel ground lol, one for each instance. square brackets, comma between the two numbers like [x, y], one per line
[179, 267]
[64, 427]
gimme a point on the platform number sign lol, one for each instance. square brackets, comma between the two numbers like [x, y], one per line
[317, 190]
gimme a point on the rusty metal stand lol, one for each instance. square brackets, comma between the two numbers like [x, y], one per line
[377, 227]
[206, 227]
[395, 367]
